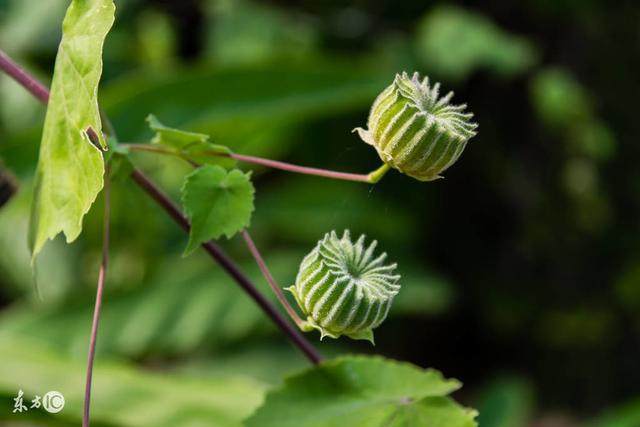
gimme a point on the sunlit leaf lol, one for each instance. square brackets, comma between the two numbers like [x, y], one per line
[217, 202]
[70, 168]
[365, 392]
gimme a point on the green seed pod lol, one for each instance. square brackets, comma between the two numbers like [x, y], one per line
[343, 289]
[414, 130]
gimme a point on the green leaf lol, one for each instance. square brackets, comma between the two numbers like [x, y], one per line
[70, 168]
[191, 145]
[365, 392]
[217, 202]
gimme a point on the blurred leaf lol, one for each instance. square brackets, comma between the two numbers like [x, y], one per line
[187, 305]
[216, 203]
[156, 39]
[191, 145]
[627, 415]
[15, 268]
[627, 287]
[594, 139]
[249, 32]
[122, 394]
[365, 392]
[70, 168]
[245, 108]
[507, 402]
[565, 106]
[30, 24]
[329, 205]
[559, 99]
[454, 42]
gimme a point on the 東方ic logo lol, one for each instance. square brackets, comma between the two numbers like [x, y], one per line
[52, 401]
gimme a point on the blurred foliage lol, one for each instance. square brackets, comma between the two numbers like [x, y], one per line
[127, 396]
[506, 402]
[520, 270]
[454, 42]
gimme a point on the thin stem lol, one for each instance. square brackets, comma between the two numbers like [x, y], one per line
[272, 282]
[370, 178]
[27, 81]
[99, 291]
[230, 267]
[211, 248]
[300, 169]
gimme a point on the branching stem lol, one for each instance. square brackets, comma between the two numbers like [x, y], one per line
[41, 93]
[370, 178]
[230, 267]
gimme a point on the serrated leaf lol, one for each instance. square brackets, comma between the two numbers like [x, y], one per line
[70, 168]
[191, 145]
[217, 202]
[365, 392]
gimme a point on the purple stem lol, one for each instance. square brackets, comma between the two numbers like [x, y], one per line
[345, 176]
[269, 277]
[27, 81]
[38, 90]
[230, 267]
[99, 291]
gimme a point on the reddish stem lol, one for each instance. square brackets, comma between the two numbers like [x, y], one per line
[230, 267]
[36, 88]
[301, 169]
[370, 178]
[98, 305]
[42, 93]
[269, 277]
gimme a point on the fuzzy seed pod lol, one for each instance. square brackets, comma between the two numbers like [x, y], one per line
[414, 130]
[344, 289]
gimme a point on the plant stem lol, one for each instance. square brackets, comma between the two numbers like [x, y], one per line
[300, 169]
[41, 93]
[269, 277]
[36, 88]
[230, 267]
[370, 178]
[99, 291]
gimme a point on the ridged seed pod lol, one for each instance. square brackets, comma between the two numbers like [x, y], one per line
[344, 289]
[414, 130]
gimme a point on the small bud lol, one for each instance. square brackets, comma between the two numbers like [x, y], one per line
[344, 289]
[414, 130]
